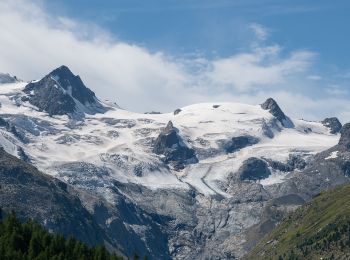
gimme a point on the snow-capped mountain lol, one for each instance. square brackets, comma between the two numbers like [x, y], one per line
[207, 174]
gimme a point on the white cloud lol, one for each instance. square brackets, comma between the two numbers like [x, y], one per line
[336, 90]
[33, 42]
[262, 67]
[261, 32]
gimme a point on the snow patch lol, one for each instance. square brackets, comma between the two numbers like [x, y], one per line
[333, 155]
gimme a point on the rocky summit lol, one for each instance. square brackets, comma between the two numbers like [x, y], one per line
[60, 93]
[207, 182]
[172, 147]
[333, 124]
[271, 105]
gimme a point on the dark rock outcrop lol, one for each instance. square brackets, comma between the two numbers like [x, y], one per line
[61, 92]
[121, 226]
[333, 124]
[34, 195]
[7, 78]
[345, 136]
[271, 105]
[254, 169]
[153, 113]
[239, 142]
[10, 127]
[171, 146]
[294, 161]
[22, 154]
[177, 111]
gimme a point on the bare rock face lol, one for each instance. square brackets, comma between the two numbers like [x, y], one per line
[345, 136]
[62, 209]
[34, 195]
[294, 162]
[333, 124]
[61, 92]
[177, 111]
[254, 169]
[7, 78]
[239, 142]
[171, 146]
[271, 105]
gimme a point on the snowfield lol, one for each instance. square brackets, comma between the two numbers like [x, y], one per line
[119, 143]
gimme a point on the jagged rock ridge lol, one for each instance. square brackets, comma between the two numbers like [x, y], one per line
[333, 124]
[7, 78]
[171, 146]
[61, 92]
[254, 169]
[271, 105]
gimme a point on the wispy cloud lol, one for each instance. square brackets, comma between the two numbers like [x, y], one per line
[261, 32]
[260, 68]
[33, 42]
[336, 90]
[314, 77]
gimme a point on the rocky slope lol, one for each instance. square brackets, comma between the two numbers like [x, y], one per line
[317, 230]
[62, 93]
[208, 181]
[65, 210]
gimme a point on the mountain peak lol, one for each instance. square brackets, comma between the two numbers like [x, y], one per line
[169, 127]
[271, 105]
[61, 92]
[333, 124]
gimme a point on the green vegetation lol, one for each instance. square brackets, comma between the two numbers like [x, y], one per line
[31, 241]
[318, 230]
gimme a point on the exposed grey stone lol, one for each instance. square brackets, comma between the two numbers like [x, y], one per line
[254, 169]
[271, 105]
[59, 91]
[153, 113]
[296, 161]
[239, 142]
[119, 123]
[22, 154]
[177, 111]
[345, 136]
[34, 195]
[333, 124]
[171, 146]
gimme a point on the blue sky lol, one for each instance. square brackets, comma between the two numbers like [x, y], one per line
[219, 27]
[143, 54]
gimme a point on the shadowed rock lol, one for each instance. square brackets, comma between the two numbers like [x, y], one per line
[294, 161]
[254, 169]
[61, 92]
[177, 111]
[271, 105]
[345, 136]
[239, 142]
[333, 124]
[49, 201]
[7, 78]
[175, 151]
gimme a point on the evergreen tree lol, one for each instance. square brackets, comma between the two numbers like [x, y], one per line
[24, 241]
